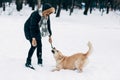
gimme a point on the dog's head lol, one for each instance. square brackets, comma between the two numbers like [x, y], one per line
[57, 54]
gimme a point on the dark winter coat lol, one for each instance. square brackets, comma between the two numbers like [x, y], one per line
[31, 26]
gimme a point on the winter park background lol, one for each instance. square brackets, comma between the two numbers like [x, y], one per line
[70, 35]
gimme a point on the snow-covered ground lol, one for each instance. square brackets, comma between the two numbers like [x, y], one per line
[70, 35]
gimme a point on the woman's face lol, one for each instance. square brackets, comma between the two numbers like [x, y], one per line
[48, 12]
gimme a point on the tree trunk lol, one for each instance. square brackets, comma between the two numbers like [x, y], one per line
[3, 4]
[19, 4]
[39, 4]
[87, 5]
[72, 6]
[59, 8]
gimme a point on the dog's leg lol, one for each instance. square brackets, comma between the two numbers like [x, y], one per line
[56, 69]
[80, 68]
[79, 65]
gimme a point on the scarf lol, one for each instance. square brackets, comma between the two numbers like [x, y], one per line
[43, 27]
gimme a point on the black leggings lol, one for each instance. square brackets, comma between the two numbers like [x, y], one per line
[32, 49]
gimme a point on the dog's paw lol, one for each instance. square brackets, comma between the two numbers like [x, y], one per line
[53, 70]
[80, 71]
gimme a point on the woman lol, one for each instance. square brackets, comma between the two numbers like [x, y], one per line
[33, 34]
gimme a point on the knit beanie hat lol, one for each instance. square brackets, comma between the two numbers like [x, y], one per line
[46, 6]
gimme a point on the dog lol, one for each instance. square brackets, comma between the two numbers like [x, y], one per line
[76, 61]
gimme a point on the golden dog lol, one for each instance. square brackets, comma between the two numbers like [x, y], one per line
[76, 61]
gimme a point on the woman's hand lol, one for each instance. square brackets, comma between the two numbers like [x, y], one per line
[34, 42]
[50, 40]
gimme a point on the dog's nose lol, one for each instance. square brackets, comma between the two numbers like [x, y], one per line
[52, 51]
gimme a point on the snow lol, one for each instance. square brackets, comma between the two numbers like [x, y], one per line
[70, 35]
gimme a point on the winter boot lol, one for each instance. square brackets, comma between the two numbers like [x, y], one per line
[40, 61]
[28, 64]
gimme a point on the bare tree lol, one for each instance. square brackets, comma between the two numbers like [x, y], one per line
[87, 6]
[72, 6]
[3, 4]
[59, 8]
[19, 4]
[38, 4]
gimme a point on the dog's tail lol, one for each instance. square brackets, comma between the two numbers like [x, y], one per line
[89, 50]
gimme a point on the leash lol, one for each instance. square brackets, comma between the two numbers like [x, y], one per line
[52, 46]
